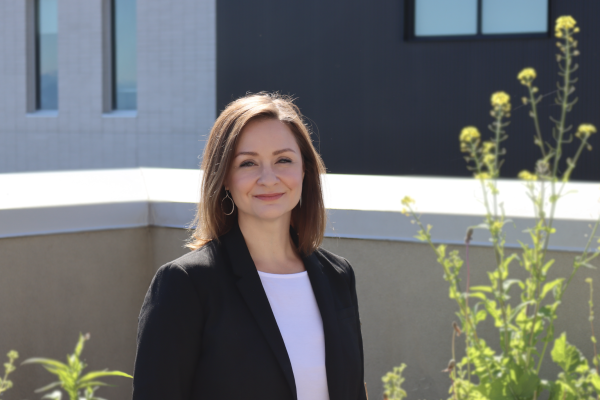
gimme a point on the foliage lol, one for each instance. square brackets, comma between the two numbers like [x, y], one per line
[9, 367]
[392, 384]
[526, 330]
[78, 387]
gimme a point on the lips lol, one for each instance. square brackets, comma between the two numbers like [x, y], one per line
[269, 197]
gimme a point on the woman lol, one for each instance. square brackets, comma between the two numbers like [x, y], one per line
[257, 310]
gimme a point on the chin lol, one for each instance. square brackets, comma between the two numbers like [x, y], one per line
[271, 214]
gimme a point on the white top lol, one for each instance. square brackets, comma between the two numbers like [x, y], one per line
[299, 319]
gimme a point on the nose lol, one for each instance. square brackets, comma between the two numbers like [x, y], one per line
[267, 177]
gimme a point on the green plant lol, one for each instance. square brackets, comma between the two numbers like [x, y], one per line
[78, 387]
[512, 370]
[9, 367]
[392, 384]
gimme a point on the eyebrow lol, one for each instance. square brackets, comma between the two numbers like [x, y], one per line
[254, 154]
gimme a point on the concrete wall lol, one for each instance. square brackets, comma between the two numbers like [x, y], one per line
[176, 58]
[54, 286]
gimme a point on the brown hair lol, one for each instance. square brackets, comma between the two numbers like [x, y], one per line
[211, 222]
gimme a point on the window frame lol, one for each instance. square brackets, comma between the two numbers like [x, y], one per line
[409, 28]
[109, 64]
[34, 104]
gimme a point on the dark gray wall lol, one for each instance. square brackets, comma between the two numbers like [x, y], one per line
[383, 105]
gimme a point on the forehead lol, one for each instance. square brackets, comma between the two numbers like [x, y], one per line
[266, 135]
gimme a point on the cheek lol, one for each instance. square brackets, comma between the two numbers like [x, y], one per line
[293, 178]
[241, 181]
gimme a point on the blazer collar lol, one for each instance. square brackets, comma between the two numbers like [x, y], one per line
[250, 286]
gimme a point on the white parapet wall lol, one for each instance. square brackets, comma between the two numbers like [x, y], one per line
[359, 206]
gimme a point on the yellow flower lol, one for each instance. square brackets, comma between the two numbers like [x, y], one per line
[489, 158]
[565, 22]
[527, 176]
[13, 355]
[488, 147]
[501, 102]
[500, 99]
[497, 226]
[482, 175]
[407, 201]
[526, 76]
[585, 131]
[469, 134]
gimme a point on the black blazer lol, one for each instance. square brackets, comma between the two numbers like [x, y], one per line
[206, 330]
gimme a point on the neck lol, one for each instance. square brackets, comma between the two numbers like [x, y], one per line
[270, 245]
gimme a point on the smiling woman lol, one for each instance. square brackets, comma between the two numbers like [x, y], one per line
[257, 302]
[260, 124]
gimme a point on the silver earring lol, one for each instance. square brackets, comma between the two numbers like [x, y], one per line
[300, 201]
[232, 203]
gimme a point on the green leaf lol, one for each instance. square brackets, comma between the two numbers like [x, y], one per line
[550, 286]
[478, 295]
[595, 381]
[518, 309]
[92, 384]
[48, 387]
[509, 282]
[481, 289]
[547, 266]
[480, 316]
[522, 381]
[46, 362]
[100, 374]
[80, 343]
[567, 356]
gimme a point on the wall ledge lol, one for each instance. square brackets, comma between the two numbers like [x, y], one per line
[359, 206]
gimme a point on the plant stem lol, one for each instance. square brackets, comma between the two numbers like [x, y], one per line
[575, 269]
[490, 222]
[453, 372]
[536, 121]
[461, 306]
[564, 105]
[573, 163]
[592, 323]
[557, 155]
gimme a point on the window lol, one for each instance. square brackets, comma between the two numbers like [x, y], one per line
[46, 60]
[124, 55]
[476, 18]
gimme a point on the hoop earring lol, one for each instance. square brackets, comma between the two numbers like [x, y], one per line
[232, 203]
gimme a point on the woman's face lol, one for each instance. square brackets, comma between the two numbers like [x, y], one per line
[265, 178]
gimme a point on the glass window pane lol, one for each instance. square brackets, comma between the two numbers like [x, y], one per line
[46, 57]
[125, 59]
[514, 16]
[445, 17]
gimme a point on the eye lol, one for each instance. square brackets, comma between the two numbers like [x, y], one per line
[284, 160]
[247, 163]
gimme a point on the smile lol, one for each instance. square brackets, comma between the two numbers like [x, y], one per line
[269, 197]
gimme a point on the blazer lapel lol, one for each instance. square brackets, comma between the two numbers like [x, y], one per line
[252, 291]
[333, 350]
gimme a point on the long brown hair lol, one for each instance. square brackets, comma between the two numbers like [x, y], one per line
[211, 222]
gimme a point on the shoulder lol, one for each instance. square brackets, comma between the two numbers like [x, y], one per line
[337, 263]
[197, 264]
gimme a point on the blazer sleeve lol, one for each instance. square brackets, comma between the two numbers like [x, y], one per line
[362, 390]
[168, 339]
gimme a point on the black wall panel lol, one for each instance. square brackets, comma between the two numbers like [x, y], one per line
[382, 105]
